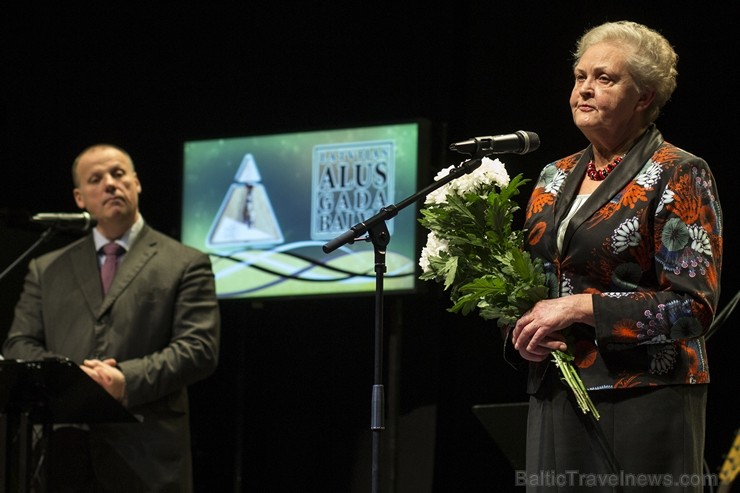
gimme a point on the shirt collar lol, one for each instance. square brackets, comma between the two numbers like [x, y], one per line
[125, 241]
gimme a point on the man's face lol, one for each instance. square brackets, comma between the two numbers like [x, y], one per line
[107, 186]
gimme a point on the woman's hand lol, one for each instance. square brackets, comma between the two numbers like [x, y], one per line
[554, 342]
[537, 333]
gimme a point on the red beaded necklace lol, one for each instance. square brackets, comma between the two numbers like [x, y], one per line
[598, 175]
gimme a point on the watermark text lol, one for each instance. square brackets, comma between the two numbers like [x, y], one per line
[622, 478]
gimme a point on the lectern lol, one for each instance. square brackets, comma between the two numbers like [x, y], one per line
[507, 425]
[41, 394]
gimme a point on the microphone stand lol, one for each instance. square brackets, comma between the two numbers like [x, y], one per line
[24, 481]
[45, 236]
[377, 233]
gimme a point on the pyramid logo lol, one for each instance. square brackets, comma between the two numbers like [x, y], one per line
[245, 218]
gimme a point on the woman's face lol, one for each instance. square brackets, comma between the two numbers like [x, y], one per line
[605, 97]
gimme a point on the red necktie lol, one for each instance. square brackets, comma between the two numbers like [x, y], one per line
[108, 270]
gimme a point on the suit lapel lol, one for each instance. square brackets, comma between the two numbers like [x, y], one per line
[570, 187]
[87, 273]
[622, 175]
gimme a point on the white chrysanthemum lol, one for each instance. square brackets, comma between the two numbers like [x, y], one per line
[434, 246]
[497, 170]
[439, 196]
[490, 172]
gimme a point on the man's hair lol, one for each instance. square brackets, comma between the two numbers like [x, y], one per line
[75, 180]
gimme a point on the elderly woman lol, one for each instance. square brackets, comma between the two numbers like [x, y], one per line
[630, 233]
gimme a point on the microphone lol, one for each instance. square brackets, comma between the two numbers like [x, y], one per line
[520, 142]
[70, 221]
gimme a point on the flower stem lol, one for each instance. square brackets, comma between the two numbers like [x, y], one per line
[565, 363]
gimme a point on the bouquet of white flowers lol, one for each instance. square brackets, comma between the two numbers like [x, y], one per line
[474, 250]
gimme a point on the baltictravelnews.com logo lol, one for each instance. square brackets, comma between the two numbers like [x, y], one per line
[574, 478]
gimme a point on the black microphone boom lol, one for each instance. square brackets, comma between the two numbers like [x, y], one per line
[520, 142]
[77, 221]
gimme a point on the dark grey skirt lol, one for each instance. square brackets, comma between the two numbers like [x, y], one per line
[647, 440]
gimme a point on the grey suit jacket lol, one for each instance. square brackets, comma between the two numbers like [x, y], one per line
[160, 321]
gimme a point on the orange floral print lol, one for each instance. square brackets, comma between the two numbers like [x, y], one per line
[568, 163]
[535, 235]
[633, 194]
[584, 354]
[539, 200]
[625, 331]
[665, 154]
[627, 381]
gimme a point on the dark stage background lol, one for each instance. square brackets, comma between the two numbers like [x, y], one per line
[288, 409]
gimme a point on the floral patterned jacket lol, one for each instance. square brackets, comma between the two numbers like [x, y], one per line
[647, 244]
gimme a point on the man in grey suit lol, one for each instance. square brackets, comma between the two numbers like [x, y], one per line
[153, 333]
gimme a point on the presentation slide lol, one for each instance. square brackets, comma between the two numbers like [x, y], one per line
[264, 206]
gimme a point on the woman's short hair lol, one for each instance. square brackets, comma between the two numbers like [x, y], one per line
[650, 58]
